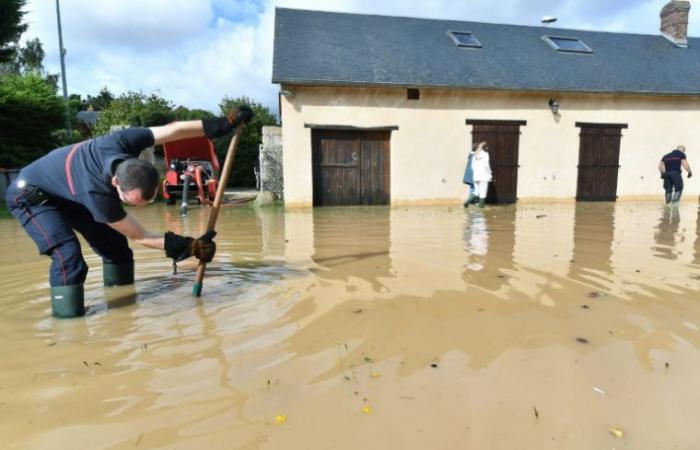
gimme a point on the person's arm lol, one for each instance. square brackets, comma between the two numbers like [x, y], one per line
[175, 246]
[686, 166]
[177, 130]
[132, 228]
[662, 168]
[211, 127]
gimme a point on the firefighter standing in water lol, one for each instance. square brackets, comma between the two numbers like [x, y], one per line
[82, 187]
[670, 169]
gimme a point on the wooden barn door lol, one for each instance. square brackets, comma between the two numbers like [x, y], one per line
[598, 161]
[350, 167]
[503, 138]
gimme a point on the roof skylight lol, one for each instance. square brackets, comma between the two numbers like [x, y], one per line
[567, 44]
[464, 39]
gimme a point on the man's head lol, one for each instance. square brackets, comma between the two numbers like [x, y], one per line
[681, 148]
[136, 181]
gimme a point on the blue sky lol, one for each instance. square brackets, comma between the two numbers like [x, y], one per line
[195, 52]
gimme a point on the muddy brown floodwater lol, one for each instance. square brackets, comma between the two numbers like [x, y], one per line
[514, 327]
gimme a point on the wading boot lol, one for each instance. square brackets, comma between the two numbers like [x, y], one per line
[67, 301]
[469, 201]
[676, 197]
[482, 202]
[118, 274]
[668, 198]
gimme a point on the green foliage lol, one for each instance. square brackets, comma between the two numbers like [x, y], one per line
[31, 56]
[182, 113]
[30, 114]
[135, 109]
[11, 28]
[99, 102]
[248, 148]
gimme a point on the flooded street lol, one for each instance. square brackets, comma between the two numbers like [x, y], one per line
[514, 327]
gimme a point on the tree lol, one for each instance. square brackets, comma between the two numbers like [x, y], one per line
[248, 148]
[30, 114]
[100, 101]
[135, 109]
[31, 57]
[11, 28]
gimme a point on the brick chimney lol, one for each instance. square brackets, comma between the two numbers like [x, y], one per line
[674, 22]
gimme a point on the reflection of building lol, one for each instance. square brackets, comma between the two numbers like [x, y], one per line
[352, 243]
[379, 109]
[594, 232]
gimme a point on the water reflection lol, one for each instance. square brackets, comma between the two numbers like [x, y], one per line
[666, 235]
[696, 247]
[594, 232]
[352, 243]
[421, 311]
[489, 242]
[476, 239]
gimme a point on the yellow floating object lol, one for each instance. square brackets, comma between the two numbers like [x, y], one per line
[617, 432]
[280, 419]
[375, 374]
[367, 410]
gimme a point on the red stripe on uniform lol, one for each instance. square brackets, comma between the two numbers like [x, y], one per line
[48, 241]
[69, 158]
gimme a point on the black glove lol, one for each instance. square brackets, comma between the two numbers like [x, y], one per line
[690, 174]
[663, 175]
[182, 247]
[221, 126]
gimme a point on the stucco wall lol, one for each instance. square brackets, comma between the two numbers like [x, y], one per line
[428, 151]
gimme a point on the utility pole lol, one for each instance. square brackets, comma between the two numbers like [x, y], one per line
[62, 51]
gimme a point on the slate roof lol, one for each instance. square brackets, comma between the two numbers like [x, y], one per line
[338, 49]
[88, 117]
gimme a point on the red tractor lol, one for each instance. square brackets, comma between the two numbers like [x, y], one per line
[191, 164]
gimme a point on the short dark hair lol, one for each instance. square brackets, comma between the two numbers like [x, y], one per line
[134, 173]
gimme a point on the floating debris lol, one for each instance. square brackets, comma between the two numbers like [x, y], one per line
[581, 340]
[596, 294]
[367, 409]
[280, 419]
[599, 390]
[585, 307]
[51, 344]
[668, 366]
[617, 432]
[358, 311]
[434, 365]
[537, 414]
[539, 216]
[85, 363]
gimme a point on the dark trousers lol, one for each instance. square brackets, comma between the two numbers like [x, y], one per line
[51, 226]
[673, 181]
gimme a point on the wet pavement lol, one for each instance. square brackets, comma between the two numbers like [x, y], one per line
[529, 327]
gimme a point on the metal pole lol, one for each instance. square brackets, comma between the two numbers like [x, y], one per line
[62, 51]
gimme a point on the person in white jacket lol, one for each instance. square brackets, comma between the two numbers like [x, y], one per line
[482, 172]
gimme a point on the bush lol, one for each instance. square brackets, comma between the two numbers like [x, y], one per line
[31, 119]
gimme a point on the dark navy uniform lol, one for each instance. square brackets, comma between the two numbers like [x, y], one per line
[71, 189]
[672, 174]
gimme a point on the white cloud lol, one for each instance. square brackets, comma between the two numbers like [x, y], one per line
[195, 52]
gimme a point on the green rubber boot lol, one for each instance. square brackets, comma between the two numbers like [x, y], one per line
[482, 202]
[469, 201]
[67, 301]
[118, 274]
